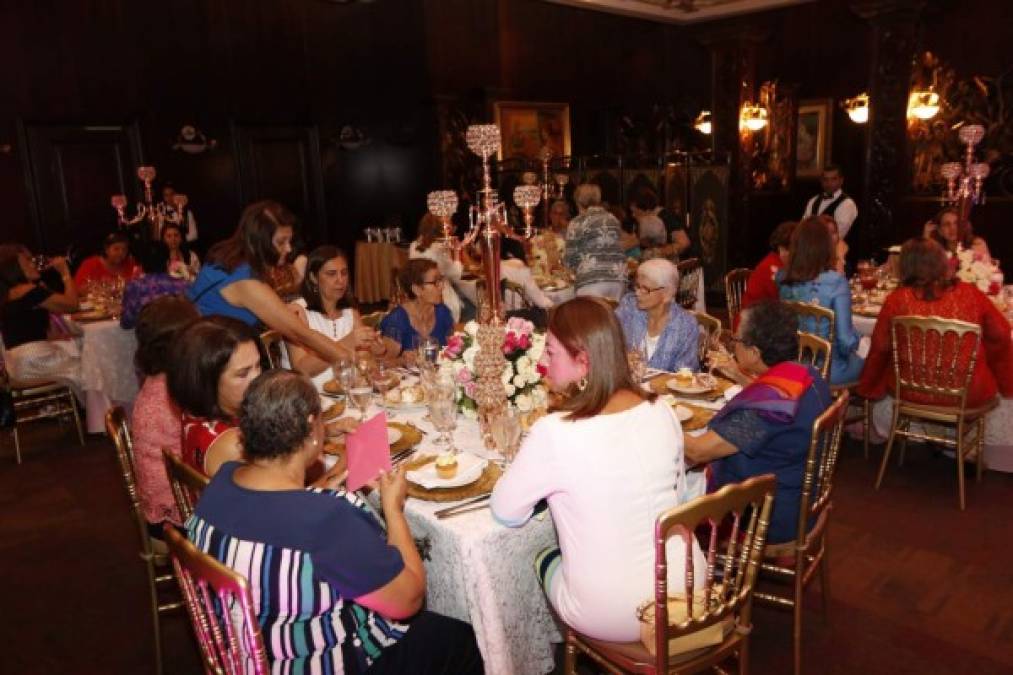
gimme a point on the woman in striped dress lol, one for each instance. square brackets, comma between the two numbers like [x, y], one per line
[332, 592]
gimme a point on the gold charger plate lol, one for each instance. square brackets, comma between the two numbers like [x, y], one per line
[333, 387]
[410, 437]
[481, 485]
[659, 385]
[701, 416]
[91, 316]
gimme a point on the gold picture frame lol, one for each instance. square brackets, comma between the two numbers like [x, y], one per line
[813, 132]
[526, 127]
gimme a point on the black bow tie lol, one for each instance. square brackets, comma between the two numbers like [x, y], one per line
[826, 196]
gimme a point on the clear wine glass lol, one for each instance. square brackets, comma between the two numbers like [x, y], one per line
[506, 433]
[382, 380]
[361, 395]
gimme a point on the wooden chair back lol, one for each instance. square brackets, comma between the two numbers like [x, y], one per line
[274, 348]
[814, 351]
[728, 585]
[735, 288]
[820, 467]
[513, 296]
[934, 356]
[187, 483]
[710, 327]
[221, 610]
[689, 282]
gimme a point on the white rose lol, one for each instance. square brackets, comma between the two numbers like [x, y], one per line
[533, 377]
[469, 356]
[539, 397]
[471, 328]
[523, 364]
[510, 390]
[519, 380]
[537, 347]
[523, 402]
[508, 373]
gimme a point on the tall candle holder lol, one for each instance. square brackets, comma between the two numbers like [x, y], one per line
[488, 223]
[155, 214]
[964, 182]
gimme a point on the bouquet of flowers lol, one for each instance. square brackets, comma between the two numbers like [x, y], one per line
[179, 270]
[522, 378]
[976, 268]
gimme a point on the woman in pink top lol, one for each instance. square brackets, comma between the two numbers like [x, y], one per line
[156, 423]
[609, 461]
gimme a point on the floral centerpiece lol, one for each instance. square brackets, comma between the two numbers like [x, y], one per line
[522, 378]
[976, 267]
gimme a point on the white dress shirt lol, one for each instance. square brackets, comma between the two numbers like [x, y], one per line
[845, 214]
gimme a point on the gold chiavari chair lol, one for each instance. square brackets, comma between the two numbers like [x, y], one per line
[814, 351]
[689, 282]
[935, 357]
[710, 327]
[808, 551]
[735, 288]
[154, 554]
[513, 296]
[187, 483]
[816, 319]
[274, 346]
[726, 596]
[230, 641]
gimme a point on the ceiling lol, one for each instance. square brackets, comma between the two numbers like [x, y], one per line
[680, 11]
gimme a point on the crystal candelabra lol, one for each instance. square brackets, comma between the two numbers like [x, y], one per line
[156, 215]
[488, 223]
[964, 182]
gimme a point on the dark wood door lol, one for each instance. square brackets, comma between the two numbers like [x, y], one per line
[283, 163]
[71, 172]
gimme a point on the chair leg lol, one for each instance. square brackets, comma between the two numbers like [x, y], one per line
[17, 443]
[980, 442]
[155, 619]
[570, 654]
[886, 451]
[797, 621]
[825, 578]
[744, 656]
[77, 417]
[960, 462]
[867, 423]
[903, 445]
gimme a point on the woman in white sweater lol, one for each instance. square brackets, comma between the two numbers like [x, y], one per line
[427, 246]
[609, 461]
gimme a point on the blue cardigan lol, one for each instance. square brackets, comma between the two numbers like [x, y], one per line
[678, 342]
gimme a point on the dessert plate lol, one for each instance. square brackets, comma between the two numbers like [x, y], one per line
[702, 383]
[469, 469]
[683, 413]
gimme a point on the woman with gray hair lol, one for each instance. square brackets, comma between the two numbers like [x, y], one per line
[654, 322]
[593, 251]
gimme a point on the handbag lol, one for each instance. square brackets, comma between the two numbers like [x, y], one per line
[705, 637]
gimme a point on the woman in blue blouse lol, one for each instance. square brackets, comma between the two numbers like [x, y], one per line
[653, 321]
[231, 283]
[332, 591]
[423, 314]
[810, 276]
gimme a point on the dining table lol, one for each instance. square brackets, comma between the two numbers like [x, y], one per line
[108, 376]
[998, 423]
[557, 291]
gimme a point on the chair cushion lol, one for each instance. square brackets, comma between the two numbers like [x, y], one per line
[635, 656]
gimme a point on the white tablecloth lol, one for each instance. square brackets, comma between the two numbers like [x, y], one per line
[107, 369]
[482, 572]
[998, 423]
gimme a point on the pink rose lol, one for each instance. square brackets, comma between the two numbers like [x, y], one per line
[471, 389]
[463, 376]
[524, 342]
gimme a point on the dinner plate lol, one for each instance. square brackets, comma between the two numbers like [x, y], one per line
[683, 413]
[699, 385]
[469, 470]
[333, 387]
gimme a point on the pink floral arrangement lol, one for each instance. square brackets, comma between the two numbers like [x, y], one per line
[522, 376]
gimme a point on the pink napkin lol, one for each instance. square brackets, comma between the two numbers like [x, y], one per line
[368, 451]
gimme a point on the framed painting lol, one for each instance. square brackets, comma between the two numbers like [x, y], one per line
[526, 128]
[812, 137]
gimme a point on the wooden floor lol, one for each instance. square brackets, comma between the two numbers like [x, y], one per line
[918, 586]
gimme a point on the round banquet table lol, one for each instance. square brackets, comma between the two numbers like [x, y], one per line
[107, 369]
[998, 423]
[469, 289]
[375, 262]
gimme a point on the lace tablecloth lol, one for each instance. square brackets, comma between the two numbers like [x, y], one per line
[107, 369]
[998, 423]
[482, 572]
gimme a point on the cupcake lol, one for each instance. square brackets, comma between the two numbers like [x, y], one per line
[684, 377]
[446, 466]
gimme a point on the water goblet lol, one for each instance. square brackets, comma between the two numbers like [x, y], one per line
[443, 412]
[360, 394]
[506, 433]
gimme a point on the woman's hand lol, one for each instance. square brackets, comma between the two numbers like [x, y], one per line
[299, 311]
[344, 424]
[393, 490]
[362, 337]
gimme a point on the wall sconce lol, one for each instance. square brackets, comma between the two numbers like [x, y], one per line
[857, 108]
[752, 117]
[923, 104]
[702, 123]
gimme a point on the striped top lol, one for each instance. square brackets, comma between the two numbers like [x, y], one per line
[593, 250]
[306, 554]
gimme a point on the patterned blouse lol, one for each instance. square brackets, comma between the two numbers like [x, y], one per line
[198, 435]
[307, 554]
[593, 250]
[140, 292]
[155, 424]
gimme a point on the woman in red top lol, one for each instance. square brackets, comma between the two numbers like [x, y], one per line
[214, 360]
[929, 289]
[761, 284]
[114, 263]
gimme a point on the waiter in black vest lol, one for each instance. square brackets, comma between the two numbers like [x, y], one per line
[833, 201]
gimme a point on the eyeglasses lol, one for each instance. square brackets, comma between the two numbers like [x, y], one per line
[438, 281]
[638, 288]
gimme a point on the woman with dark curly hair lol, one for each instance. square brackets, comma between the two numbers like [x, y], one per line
[332, 592]
[766, 428]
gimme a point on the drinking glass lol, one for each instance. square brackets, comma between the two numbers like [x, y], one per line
[429, 350]
[360, 394]
[443, 412]
[637, 358]
[382, 380]
[506, 433]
